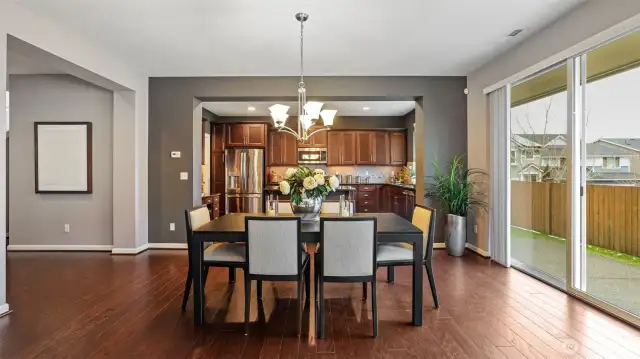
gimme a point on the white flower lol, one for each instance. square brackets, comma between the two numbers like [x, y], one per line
[334, 182]
[318, 172]
[319, 179]
[309, 183]
[290, 172]
[284, 187]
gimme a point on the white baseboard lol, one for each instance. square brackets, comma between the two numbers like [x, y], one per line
[439, 246]
[167, 246]
[4, 309]
[481, 252]
[55, 247]
[137, 250]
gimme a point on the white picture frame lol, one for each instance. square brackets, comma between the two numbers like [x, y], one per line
[63, 157]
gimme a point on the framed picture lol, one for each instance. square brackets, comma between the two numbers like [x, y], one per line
[63, 158]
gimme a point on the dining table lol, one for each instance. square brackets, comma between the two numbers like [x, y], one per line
[230, 228]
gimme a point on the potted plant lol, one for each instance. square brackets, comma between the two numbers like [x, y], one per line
[308, 189]
[457, 191]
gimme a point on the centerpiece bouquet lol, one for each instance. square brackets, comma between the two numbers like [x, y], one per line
[308, 189]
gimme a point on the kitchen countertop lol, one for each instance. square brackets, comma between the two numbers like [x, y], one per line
[399, 185]
[345, 188]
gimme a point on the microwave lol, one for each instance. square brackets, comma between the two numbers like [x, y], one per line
[312, 156]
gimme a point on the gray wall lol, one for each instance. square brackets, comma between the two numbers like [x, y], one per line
[408, 120]
[39, 219]
[440, 117]
[340, 122]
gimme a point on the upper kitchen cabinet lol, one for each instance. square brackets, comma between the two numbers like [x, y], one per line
[341, 148]
[246, 134]
[282, 149]
[397, 148]
[364, 147]
[380, 150]
[217, 138]
[319, 140]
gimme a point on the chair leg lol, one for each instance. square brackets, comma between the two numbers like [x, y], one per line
[247, 301]
[187, 289]
[259, 287]
[432, 284]
[374, 308]
[390, 274]
[300, 304]
[320, 318]
[232, 275]
[205, 274]
[364, 291]
[307, 283]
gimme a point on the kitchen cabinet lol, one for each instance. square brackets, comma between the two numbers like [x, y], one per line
[213, 203]
[217, 163]
[341, 148]
[217, 138]
[397, 148]
[319, 140]
[367, 199]
[365, 147]
[246, 134]
[380, 149]
[282, 149]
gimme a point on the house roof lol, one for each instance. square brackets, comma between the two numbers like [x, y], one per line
[633, 143]
[537, 140]
[601, 149]
[613, 176]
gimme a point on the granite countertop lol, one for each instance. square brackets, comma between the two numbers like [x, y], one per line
[400, 185]
[344, 188]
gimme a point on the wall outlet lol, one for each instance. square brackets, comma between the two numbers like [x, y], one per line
[475, 228]
[175, 154]
[184, 176]
[172, 226]
[67, 228]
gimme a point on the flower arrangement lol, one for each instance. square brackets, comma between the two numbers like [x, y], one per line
[303, 183]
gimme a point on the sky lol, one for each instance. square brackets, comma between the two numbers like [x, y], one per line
[613, 108]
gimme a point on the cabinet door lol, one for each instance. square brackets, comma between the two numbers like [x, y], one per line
[217, 138]
[410, 202]
[255, 134]
[348, 148]
[380, 147]
[289, 150]
[334, 148]
[364, 147]
[398, 148]
[217, 176]
[320, 139]
[274, 148]
[235, 135]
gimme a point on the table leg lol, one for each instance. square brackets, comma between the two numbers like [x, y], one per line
[417, 282]
[198, 285]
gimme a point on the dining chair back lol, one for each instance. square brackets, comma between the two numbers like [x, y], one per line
[425, 218]
[330, 208]
[273, 245]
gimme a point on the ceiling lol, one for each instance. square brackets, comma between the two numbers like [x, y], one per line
[345, 108]
[257, 37]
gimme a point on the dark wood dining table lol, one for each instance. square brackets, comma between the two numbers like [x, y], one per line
[230, 228]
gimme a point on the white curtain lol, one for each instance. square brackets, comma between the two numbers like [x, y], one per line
[500, 187]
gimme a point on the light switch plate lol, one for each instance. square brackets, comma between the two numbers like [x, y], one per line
[184, 176]
[175, 154]
[172, 226]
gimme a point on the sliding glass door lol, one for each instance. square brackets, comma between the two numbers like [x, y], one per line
[538, 173]
[575, 176]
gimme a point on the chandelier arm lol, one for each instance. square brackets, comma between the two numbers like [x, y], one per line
[319, 130]
[289, 131]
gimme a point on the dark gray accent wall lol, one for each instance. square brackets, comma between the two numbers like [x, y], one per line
[340, 122]
[208, 115]
[409, 120]
[442, 102]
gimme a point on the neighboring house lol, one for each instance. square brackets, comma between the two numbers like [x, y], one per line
[630, 144]
[543, 158]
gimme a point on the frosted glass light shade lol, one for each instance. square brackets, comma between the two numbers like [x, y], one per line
[279, 118]
[313, 109]
[279, 109]
[306, 121]
[327, 117]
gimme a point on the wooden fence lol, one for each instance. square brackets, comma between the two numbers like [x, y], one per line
[613, 217]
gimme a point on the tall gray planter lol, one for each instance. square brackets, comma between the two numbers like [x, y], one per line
[455, 234]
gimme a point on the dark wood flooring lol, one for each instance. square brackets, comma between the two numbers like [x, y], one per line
[94, 305]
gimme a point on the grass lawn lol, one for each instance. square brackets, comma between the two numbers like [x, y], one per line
[617, 256]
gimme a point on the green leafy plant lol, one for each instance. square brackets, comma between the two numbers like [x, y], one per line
[303, 182]
[457, 189]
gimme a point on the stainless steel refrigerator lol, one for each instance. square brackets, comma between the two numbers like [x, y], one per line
[244, 176]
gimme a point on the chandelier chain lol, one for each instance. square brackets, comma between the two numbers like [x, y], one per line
[301, 52]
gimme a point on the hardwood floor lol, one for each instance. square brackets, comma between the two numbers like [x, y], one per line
[94, 305]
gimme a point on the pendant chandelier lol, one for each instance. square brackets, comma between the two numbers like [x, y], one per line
[308, 112]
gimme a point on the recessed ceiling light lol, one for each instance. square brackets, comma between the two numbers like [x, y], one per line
[365, 108]
[515, 32]
[251, 108]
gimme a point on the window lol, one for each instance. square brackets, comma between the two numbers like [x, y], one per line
[529, 154]
[513, 158]
[609, 163]
[531, 178]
